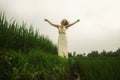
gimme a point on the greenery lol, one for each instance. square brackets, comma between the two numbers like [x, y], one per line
[97, 54]
[39, 65]
[19, 38]
[104, 53]
[26, 55]
[34, 65]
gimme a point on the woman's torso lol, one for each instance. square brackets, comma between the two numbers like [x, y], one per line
[62, 29]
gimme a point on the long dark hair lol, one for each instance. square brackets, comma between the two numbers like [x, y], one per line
[64, 22]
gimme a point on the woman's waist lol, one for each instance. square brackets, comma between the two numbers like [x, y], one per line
[62, 32]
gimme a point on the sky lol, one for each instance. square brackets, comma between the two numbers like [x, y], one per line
[98, 29]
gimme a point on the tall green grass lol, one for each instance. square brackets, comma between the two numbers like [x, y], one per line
[38, 65]
[98, 68]
[18, 37]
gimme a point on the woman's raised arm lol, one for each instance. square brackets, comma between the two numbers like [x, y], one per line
[51, 23]
[72, 23]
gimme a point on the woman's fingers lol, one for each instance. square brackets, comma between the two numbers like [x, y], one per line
[78, 20]
[45, 19]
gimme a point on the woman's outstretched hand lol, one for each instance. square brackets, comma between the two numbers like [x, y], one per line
[45, 19]
[78, 20]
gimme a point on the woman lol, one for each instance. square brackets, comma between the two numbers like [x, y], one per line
[62, 39]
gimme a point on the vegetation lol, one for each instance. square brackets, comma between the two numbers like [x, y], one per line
[39, 65]
[97, 54]
[19, 38]
[34, 65]
[26, 55]
[104, 53]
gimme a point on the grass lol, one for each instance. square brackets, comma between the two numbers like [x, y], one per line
[18, 37]
[39, 65]
[35, 65]
[99, 68]
[26, 55]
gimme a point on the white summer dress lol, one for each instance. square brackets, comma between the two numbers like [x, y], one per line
[62, 43]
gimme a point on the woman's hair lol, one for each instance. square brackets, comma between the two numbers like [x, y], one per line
[64, 22]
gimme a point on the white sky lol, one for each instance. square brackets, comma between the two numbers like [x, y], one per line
[98, 29]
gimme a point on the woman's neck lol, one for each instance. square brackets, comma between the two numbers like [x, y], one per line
[62, 26]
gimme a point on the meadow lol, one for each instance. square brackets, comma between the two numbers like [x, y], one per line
[25, 54]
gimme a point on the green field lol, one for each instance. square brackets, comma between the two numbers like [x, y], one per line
[27, 55]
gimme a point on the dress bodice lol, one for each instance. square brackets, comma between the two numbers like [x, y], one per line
[62, 31]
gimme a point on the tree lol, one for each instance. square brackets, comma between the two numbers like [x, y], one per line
[74, 53]
[110, 53]
[79, 55]
[93, 54]
[84, 54]
[118, 51]
[104, 53]
[69, 54]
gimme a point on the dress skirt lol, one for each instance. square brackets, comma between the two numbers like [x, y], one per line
[62, 44]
